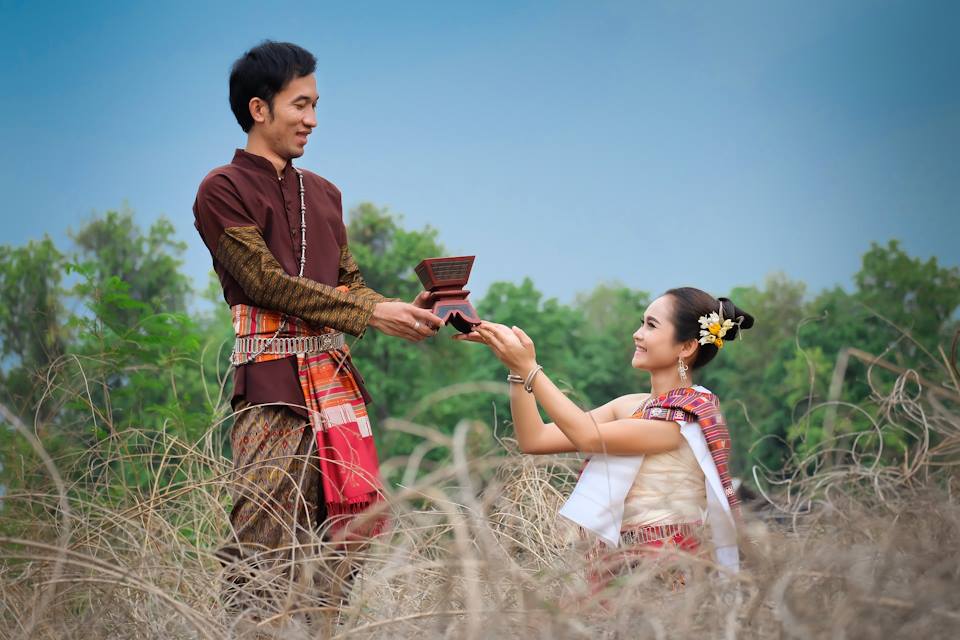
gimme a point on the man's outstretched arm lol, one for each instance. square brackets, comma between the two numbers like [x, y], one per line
[244, 253]
[233, 237]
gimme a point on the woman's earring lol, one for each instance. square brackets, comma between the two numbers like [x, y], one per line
[682, 369]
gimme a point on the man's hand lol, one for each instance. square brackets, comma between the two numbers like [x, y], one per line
[424, 300]
[405, 321]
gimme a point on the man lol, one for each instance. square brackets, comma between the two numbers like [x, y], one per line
[279, 247]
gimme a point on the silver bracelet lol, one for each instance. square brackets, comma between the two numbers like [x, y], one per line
[528, 383]
[514, 378]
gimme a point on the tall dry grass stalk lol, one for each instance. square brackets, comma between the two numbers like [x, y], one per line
[839, 545]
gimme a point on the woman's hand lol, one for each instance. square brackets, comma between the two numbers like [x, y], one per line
[473, 336]
[510, 345]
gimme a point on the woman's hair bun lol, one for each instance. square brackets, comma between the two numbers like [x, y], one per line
[741, 319]
[690, 304]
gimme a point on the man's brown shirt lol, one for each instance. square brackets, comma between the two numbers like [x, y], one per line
[249, 218]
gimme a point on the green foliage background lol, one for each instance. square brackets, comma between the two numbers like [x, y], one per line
[95, 340]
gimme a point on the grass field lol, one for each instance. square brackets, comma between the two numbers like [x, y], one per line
[836, 545]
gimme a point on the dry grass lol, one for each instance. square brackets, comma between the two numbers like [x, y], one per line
[840, 546]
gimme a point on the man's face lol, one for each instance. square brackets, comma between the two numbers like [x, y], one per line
[293, 116]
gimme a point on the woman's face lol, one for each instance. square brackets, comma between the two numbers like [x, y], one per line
[655, 339]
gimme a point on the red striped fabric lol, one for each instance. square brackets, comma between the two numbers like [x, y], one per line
[348, 460]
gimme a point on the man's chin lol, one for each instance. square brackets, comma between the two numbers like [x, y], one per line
[296, 150]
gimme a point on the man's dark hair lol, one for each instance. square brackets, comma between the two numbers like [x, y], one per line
[262, 72]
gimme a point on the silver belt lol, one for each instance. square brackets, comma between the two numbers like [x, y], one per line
[653, 532]
[290, 345]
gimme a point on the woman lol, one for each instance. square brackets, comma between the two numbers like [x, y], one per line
[658, 467]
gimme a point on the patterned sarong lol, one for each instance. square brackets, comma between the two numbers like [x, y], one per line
[349, 467]
[689, 405]
[643, 545]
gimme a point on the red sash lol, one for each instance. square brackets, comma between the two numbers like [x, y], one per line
[349, 467]
[689, 405]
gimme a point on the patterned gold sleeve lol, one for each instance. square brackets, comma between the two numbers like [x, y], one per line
[350, 277]
[243, 252]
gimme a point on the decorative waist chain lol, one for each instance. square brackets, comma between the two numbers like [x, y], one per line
[287, 346]
[650, 533]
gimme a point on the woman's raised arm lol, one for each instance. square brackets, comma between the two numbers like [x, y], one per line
[603, 430]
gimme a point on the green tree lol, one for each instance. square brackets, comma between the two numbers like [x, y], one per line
[126, 355]
[748, 375]
[394, 370]
[918, 297]
[115, 247]
[611, 314]
[33, 331]
[901, 310]
[129, 358]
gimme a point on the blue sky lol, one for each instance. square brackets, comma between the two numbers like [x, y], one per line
[654, 143]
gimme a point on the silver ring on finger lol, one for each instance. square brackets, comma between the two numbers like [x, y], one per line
[416, 325]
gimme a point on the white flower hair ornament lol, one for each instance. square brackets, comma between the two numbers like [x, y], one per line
[713, 328]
